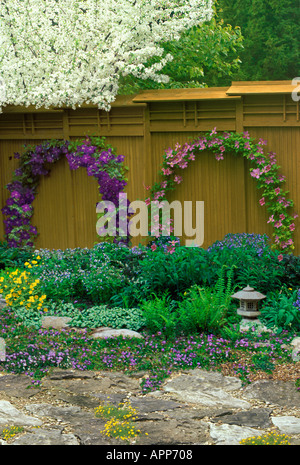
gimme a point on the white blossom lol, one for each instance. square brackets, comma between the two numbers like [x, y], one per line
[68, 52]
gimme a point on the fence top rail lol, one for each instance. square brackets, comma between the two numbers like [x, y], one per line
[261, 87]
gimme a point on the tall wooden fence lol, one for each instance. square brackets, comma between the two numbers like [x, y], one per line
[141, 127]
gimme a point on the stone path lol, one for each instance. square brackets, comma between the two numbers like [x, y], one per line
[192, 408]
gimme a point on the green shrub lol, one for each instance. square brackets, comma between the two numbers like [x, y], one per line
[175, 272]
[160, 314]
[279, 311]
[14, 257]
[253, 260]
[205, 309]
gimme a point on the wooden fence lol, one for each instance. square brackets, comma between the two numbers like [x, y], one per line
[141, 127]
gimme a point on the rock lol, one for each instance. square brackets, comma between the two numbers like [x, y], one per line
[17, 386]
[110, 332]
[254, 325]
[164, 432]
[80, 400]
[9, 415]
[296, 349]
[148, 405]
[287, 424]
[255, 418]
[89, 433]
[283, 393]
[231, 434]
[59, 373]
[56, 322]
[2, 350]
[49, 410]
[46, 437]
[206, 388]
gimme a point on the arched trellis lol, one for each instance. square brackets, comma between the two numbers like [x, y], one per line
[92, 153]
[263, 168]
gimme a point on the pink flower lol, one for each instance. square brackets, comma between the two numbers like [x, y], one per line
[159, 194]
[282, 216]
[169, 152]
[147, 201]
[247, 146]
[277, 190]
[269, 180]
[214, 131]
[164, 184]
[280, 257]
[266, 168]
[296, 215]
[171, 249]
[178, 179]
[271, 219]
[262, 201]
[167, 171]
[262, 142]
[237, 144]
[277, 224]
[222, 148]
[256, 173]
[153, 247]
[292, 227]
[219, 156]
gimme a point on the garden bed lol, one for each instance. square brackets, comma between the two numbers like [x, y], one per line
[177, 298]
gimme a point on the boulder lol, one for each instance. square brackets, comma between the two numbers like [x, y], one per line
[111, 332]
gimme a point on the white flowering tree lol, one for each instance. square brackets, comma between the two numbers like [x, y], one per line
[69, 52]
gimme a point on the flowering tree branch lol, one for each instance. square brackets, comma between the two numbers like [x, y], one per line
[66, 56]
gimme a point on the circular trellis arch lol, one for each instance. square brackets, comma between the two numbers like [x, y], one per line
[263, 168]
[92, 153]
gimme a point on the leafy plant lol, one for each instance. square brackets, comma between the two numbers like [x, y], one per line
[205, 309]
[160, 314]
[174, 272]
[280, 311]
[93, 317]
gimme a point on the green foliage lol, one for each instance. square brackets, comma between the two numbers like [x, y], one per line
[160, 314]
[278, 311]
[174, 272]
[262, 362]
[205, 309]
[204, 55]
[253, 261]
[93, 317]
[13, 257]
[271, 32]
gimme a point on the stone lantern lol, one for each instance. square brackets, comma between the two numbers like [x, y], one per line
[249, 299]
